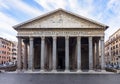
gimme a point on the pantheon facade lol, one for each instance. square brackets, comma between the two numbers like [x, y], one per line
[60, 41]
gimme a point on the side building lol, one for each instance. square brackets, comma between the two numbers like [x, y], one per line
[14, 52]
[8, 51]
[5, 51]
[112, 48]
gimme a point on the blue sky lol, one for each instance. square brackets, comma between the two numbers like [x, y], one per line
[13, 12]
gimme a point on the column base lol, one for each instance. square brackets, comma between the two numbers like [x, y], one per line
[103, 70]
[18, 71]
[78, 71]
[91, 71]
[118, 71]
[29, 71]
[67, 71]
[42, 71]
[54, 71]
[24, 70]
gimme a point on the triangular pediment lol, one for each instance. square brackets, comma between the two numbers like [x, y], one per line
[60, 19]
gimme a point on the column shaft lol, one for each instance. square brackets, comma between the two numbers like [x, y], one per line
[31, 54]
[90, 54]
[94, 55]
[97, 54]
[54, 53]
[66, 53]
[110, 55]
[19, 54]
[78, 53]
[42, 52]
[50, 57]
[25, 55]
[102, 53]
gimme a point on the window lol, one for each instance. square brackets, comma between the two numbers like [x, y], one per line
[116, 46]
[117, 52]
[113, 47]
[0, 52]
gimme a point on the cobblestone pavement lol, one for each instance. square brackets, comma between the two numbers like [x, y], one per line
[21, 78]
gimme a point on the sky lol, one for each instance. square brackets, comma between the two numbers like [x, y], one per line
[13, 12]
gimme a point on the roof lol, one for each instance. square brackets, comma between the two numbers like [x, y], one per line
[6, 40]
[115, 32]
[44, 15]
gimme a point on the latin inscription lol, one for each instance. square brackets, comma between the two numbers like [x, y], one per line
[61, 33]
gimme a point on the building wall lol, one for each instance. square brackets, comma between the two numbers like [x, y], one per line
[5, 51]
[112, 48]
[14, 52]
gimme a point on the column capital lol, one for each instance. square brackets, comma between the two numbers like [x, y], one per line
[31, 38]
[54, 37]
[102, 38]
[66, 37]
[78, 37]
[42, 37]
[90, 38]
[97, 40]
[25, 41]
[18, 36]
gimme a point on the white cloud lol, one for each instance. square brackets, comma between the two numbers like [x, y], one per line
[113, 21]
[8, 36]
[6, 21]
[5, 18]
[21, 6]
[114, 5]
[6, 30]
[52, 4]
[77, 7]
[73, 5]
[3, 5]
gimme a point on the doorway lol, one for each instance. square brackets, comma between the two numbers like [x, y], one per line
[84, 53]
[60, 53]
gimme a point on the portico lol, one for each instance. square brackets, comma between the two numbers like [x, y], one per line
[60, 41]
